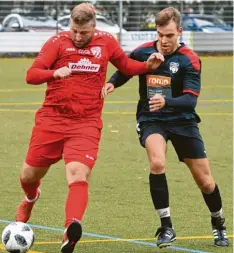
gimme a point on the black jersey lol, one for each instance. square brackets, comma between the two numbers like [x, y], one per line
[180, 73]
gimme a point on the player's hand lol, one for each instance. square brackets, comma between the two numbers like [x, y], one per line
[156, 102]
[62, 72]
[107, 88]
[155, 60]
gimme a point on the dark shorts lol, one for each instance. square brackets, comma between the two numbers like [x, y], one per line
[185, 137]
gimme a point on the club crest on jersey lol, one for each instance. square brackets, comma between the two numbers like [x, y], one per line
[96, 51]
[84, 65]
[174, 67]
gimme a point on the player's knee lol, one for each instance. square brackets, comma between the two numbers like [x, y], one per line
[77, 173]
[157, 165]
[31, 174]
[28, 176]
[207, 186]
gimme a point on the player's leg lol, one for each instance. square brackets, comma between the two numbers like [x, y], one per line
[192, 152]
[80, 154]
[201, 172]
[77, 178]
[77, 200]
[153, 138]
[45, 149]
[30, 182]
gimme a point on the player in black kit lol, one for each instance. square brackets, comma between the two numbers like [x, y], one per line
[166, 111]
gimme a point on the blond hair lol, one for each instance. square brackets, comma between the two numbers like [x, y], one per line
[163, 17]
[83, 13]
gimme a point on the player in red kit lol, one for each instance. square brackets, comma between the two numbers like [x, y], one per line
[69, 124]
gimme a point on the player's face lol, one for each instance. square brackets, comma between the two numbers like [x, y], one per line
[81, 35]
[168, 37]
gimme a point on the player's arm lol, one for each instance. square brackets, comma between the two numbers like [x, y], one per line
[128, 66]
[40, 71]
[132, 67]
[187, 101]
[191, 87]
[191, 90]
[118, 79]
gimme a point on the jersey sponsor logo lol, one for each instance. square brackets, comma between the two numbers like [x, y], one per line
[95, 51]
[174, 67]
[70, 49]
[158, 81]
[84, 65]
[84, 51]
[90, 157]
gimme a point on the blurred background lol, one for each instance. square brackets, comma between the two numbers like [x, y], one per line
[207, 25]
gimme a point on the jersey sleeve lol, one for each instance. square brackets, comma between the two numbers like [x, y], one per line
[192, 80]
[122, 62]
[118, 79]
[187, 101]
[192, 73]
[40, 71]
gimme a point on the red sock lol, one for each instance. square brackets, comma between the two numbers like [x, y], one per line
[30, 189]
[77, 201]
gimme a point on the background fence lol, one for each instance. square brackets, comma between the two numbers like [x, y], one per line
[132, 22]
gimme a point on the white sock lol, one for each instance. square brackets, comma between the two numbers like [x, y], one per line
[33, 200]
[217, 214]
[164, 212]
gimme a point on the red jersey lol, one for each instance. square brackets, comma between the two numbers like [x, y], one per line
[79, 94]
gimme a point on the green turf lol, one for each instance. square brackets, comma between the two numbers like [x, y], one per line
[120, 204]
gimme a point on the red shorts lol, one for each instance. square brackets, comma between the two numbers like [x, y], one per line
[54, 138]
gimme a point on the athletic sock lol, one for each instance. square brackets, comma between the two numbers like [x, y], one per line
[30, 189]
[77, 201]
[160, 197]
[214, 203]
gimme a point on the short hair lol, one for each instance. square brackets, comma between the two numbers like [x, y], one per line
[83, 13]
[163, 17]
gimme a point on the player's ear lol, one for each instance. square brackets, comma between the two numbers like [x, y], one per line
[180, 30]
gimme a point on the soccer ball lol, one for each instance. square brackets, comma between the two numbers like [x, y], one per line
[17, 237]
